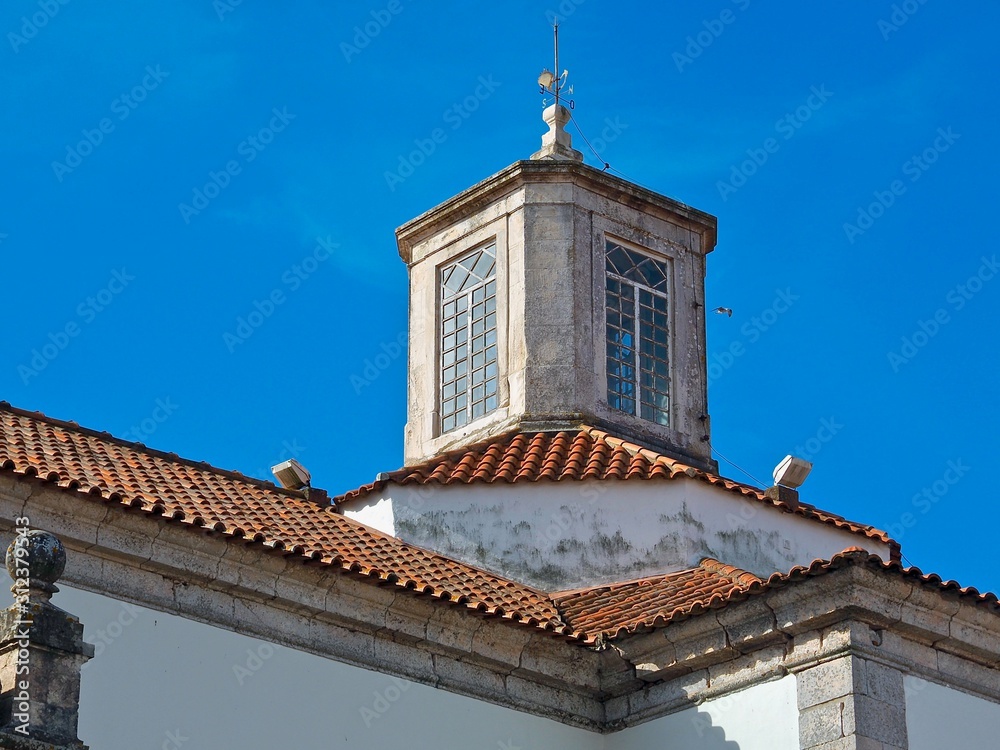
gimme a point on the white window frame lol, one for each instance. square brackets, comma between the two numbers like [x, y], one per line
[666, 374]
[484, 393]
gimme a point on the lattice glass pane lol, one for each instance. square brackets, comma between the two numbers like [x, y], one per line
[620, 332]
[468, 316]
[637, 334]
[468, 272]
[641, 269]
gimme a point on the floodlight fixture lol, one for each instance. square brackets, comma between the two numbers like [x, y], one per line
[792, 472]
[291, 474]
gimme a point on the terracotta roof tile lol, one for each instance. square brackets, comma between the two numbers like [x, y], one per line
[858, 556]
[617, 610]
[101, 467]
[584, 453]
[622, 608]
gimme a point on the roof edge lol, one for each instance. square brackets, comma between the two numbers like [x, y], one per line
[143, 448]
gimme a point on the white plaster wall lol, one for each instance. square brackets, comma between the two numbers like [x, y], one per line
[763, 717]
[938, 717]
[569, 534]
[161, 681]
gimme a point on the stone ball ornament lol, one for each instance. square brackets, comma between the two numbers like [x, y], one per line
[40, 555]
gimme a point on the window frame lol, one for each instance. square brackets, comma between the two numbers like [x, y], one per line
[468, 410]
[668, 295]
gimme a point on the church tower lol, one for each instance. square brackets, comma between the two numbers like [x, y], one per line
[553, 295]
[558, 431]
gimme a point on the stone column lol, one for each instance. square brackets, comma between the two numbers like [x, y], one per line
[41, 651]
[851, 703]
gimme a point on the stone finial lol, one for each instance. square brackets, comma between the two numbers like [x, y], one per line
[557, 143]
[35, 560]
[41, 650]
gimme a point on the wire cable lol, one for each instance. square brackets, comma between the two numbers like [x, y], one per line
[585, 140]
[738, 467]
[607, 166]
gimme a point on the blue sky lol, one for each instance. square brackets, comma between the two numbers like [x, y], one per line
[849, 152]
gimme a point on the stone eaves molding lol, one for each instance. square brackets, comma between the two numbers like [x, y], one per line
[906, 624]
[520, 173]
[228, 583]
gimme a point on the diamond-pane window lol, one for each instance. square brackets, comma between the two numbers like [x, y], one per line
[637, 324]
[468, 338]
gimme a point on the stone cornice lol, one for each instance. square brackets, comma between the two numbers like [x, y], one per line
[470, 201]
[857, 609]
[249, 589]
[881, 616]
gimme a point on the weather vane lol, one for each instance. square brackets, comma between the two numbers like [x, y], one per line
[552, 83]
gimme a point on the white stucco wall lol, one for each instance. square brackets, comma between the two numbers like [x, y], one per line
[161, 681]
[569, 534]
[939, 717]
[763, 717]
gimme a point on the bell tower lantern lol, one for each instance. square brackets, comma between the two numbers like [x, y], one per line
[553, 295]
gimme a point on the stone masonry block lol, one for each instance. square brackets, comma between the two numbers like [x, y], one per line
[880, 721]
[883, 683]
[822, 724]
[828, 681]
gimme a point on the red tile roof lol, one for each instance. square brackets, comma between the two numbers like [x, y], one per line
[100, 468]
[103, 468]
[609, 612]
[858, 556]
[585, 453]
[652, 602]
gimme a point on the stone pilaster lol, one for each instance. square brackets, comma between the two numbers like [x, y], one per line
[851, 703]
